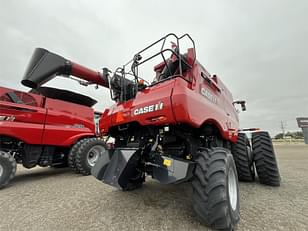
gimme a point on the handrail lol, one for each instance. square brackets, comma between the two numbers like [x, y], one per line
[137, 57]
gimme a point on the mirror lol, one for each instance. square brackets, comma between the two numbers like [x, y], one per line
[242, 103]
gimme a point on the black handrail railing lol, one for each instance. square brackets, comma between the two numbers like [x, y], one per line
[137, 61]
[137, 57]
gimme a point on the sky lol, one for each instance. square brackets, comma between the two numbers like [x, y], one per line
[258, 48]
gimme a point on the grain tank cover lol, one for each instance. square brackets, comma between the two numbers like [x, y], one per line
[65, 95]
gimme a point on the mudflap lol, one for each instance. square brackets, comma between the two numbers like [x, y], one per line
[118, 168]
[173, 170]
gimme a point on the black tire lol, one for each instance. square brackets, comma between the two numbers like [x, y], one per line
[264, 158]
[84, 151]
[72, 157]
[212, 196]
[7, 168]
[243, 159]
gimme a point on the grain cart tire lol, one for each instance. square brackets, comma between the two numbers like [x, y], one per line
[265, 160]
[87, 153]
[7, 168]
[243, 159]
[72, 157]
[216, 189]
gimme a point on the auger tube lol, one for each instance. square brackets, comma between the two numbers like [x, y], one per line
[45, 65]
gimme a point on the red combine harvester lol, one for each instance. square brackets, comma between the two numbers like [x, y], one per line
[47, 126]
[181, 127]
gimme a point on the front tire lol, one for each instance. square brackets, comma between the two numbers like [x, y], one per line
[243, 159]
[216, 189]
[264, 158]
[7, 168]
[88, 151]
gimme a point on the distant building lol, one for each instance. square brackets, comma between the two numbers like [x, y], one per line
[303, 124]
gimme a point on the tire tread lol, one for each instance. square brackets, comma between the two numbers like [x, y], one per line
[265, 159]
[209, 188]
[242, 162]
[12, 165]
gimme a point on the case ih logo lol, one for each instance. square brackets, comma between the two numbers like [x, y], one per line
[150, 108]
[208, 95]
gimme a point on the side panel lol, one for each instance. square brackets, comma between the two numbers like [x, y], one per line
[232, 114]
[29, 99]
[200, 104]
[25, 123]
[192, 108]
[67, 122]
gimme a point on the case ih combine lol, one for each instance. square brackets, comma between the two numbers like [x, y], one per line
[181, 127]
[46, 127]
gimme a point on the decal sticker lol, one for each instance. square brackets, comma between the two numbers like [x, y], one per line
[149, 108]
[167, 162]
[7, 118]
[207, 94]
[75, 126]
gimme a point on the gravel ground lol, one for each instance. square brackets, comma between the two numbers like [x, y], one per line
[57, 199]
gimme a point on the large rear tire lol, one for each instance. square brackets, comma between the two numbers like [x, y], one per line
[216, 189]
[7, 168]
[87, 153]
[243, 159]
[265, 160]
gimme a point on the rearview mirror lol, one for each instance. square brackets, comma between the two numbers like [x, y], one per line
[242, 103]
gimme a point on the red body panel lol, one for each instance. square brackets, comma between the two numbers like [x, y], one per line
[123, 113]
[51, 122]
[192, 103]
[67, 122]
[28, 124]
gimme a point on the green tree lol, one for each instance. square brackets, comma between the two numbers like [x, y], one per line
[279, 136]
[294, 135]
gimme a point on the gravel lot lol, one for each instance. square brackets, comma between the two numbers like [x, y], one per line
[57, 199]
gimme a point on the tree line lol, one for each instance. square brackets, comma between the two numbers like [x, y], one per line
[294, 135]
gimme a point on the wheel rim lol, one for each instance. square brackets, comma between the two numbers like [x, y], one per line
[232, 188]
[1, 170]
[94, 153]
